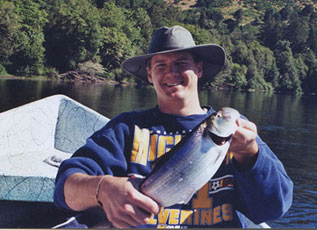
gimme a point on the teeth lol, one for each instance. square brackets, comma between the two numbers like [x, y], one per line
[174, 84]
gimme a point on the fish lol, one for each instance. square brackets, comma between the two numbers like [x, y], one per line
[191, 163]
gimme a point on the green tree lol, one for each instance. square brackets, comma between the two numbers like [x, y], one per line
[255, 78]
[121, 37]
[238, 15]
[28, 54]
[144, 25]
[298, 32]
[310, 82]
[307, 11]
[238, 76]
[164, 14]
[289, 75]
[287, 12]
[273, 29]
[266, 63]
[9, 26]
[72, 34]
[241, 54]
[312, 40]
[203, 20]
[249, 33]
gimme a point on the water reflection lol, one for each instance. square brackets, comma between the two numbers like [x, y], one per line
[288, 123]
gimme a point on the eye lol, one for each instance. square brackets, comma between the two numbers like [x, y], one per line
[159, 65]
[182, 63]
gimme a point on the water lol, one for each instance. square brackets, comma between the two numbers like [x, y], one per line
[288, 123]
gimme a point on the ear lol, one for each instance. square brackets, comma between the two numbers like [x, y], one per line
[149, 76]
[200, 69]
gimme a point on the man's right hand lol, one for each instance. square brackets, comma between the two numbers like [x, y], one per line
[123, 203]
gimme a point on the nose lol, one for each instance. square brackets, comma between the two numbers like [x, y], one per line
[172, 69]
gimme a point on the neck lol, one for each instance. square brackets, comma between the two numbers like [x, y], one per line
[181, 108]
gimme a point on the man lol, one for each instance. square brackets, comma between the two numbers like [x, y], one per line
[251, 181]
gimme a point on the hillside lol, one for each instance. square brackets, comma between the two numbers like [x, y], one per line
[187, 4]
[270, 45]
[252, 8]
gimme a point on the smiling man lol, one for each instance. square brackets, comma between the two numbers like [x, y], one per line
[106, 171]
[175, 77]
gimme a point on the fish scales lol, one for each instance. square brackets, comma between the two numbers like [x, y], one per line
[191, 163]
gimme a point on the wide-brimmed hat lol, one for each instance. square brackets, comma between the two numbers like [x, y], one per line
[173, 39]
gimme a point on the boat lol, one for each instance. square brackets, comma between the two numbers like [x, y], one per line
[34, 139]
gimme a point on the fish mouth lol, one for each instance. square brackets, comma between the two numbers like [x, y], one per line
[219, 140]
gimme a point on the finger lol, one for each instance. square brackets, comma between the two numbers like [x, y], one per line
[142, 216]
[242, 123]
[244, 135]
[121, 224]
[142, 201]
[246, 130]
[121, 215]
[125, 221]
[147, 204]
[139, 215]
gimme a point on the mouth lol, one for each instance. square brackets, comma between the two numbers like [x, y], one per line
[219, 140]
[169, 85]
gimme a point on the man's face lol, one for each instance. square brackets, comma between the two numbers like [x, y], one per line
[174, 75]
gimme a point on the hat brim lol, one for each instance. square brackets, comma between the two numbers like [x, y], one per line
[212, 55]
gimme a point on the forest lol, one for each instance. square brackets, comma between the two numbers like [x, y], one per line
[270, 45]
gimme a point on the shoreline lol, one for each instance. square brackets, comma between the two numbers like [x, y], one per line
[24, 77]
[46, 78]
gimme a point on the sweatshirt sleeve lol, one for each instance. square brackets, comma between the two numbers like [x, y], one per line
[103, 154]
[265, 190]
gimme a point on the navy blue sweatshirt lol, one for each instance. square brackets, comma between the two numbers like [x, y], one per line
[131, 141]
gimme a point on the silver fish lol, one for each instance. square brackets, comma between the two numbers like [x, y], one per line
[187, 167]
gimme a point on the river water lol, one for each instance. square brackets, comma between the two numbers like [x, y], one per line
[287, 123]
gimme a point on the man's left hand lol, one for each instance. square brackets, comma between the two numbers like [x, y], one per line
[244, 146]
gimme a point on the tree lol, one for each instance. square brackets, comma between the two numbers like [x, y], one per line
[121, 37]
[249, 33]
[201, 3]
[241, 54]
[238, 15]
[287, 12]
[73, 34]
[238, 76]
[309, 84]
[203, 20]
[297, 33]
[307, 11]
[312, 40]
[289, 76]
[28, 54]
[144, 25]
[272, 31]
[9, 26]
[266, 63]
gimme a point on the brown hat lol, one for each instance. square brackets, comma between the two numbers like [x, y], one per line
[173, 39]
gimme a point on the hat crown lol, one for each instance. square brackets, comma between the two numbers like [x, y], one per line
[172, 38]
